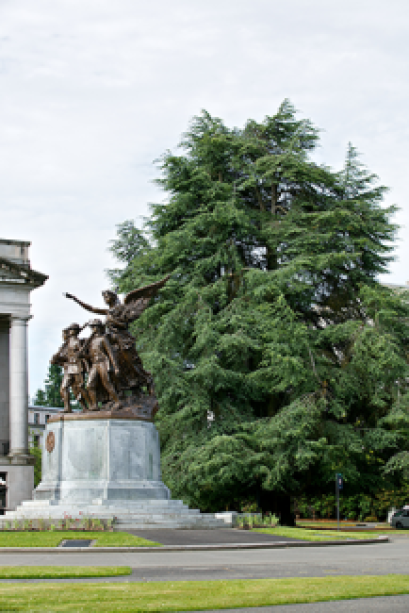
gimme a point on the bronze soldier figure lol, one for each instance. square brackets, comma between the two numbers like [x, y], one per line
[68, 356]
[99, 351]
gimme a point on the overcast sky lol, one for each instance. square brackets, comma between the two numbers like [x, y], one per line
[93, 91]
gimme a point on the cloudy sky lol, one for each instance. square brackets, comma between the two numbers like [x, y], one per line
[93, 91]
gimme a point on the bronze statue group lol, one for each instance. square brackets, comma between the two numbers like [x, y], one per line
[104, 371]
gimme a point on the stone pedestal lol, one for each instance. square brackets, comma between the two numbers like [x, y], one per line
[86, 459]
[95, 466]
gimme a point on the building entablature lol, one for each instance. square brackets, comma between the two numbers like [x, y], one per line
[13, 273]
[17, 280]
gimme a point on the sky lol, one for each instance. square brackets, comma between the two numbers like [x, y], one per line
[92, 92]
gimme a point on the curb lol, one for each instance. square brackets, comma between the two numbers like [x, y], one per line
[171, 548]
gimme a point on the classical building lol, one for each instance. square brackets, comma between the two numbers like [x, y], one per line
[37, 421]
[17, 280]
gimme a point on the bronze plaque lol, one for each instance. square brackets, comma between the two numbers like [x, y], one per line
[50, 442]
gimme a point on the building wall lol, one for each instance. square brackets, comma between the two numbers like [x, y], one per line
[37, 420]
[14, 300]
[20, 484]
[4, 386]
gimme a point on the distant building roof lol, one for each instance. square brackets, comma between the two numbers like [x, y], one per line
[45, 409]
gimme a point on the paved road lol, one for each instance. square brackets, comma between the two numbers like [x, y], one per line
[374, 559]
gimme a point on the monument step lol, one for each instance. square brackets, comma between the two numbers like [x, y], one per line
[95, 512]
[136, 505]
[121, 521]
[127, 517]
[151, 502]
[122, 512]
[198, 525]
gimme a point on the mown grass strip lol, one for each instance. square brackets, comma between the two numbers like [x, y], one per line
[53, 539]
[303, 534]
[195, 595]
[331, 525]
[119, 539]
[62, 572]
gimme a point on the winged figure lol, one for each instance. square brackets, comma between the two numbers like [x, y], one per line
[118, 317]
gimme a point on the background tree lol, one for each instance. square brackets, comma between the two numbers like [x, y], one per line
[278, 357]
[35, 450]
[50, 396]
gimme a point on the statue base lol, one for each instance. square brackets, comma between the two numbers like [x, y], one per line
[106, 464]
[136, 406]
[95, 456]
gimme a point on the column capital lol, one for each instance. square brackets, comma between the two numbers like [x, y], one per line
[21, 320]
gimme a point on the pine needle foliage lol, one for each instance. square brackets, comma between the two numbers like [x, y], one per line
[50, 396]
[278, 357]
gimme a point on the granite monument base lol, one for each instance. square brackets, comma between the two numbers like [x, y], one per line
[104, 467]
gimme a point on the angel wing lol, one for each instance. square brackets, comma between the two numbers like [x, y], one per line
[145, 292]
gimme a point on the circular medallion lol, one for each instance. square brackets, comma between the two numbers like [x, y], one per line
[50, 442]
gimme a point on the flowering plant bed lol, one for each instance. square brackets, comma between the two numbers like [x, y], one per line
[85, 524]
[247, 527]
[247, 522]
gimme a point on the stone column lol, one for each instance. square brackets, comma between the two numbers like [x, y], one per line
[18, 389]
[4, 384]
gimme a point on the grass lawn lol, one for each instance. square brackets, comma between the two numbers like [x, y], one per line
[313, 535]
[330, 525]
[53, 539]
[194, 595]
[62, 572]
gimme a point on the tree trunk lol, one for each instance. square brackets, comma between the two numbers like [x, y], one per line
[279, 504]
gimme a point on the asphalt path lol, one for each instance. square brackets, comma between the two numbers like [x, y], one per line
[369, 559]
[208, 537]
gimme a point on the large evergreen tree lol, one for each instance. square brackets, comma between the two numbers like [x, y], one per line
[278, 357]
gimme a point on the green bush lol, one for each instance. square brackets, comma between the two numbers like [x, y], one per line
[358, 506]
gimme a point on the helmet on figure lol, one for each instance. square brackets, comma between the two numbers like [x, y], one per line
[75, 327]
[96, 323]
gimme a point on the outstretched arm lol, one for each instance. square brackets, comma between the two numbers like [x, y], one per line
[86, 306]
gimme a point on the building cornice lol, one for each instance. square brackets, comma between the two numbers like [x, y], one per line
[20, 274]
